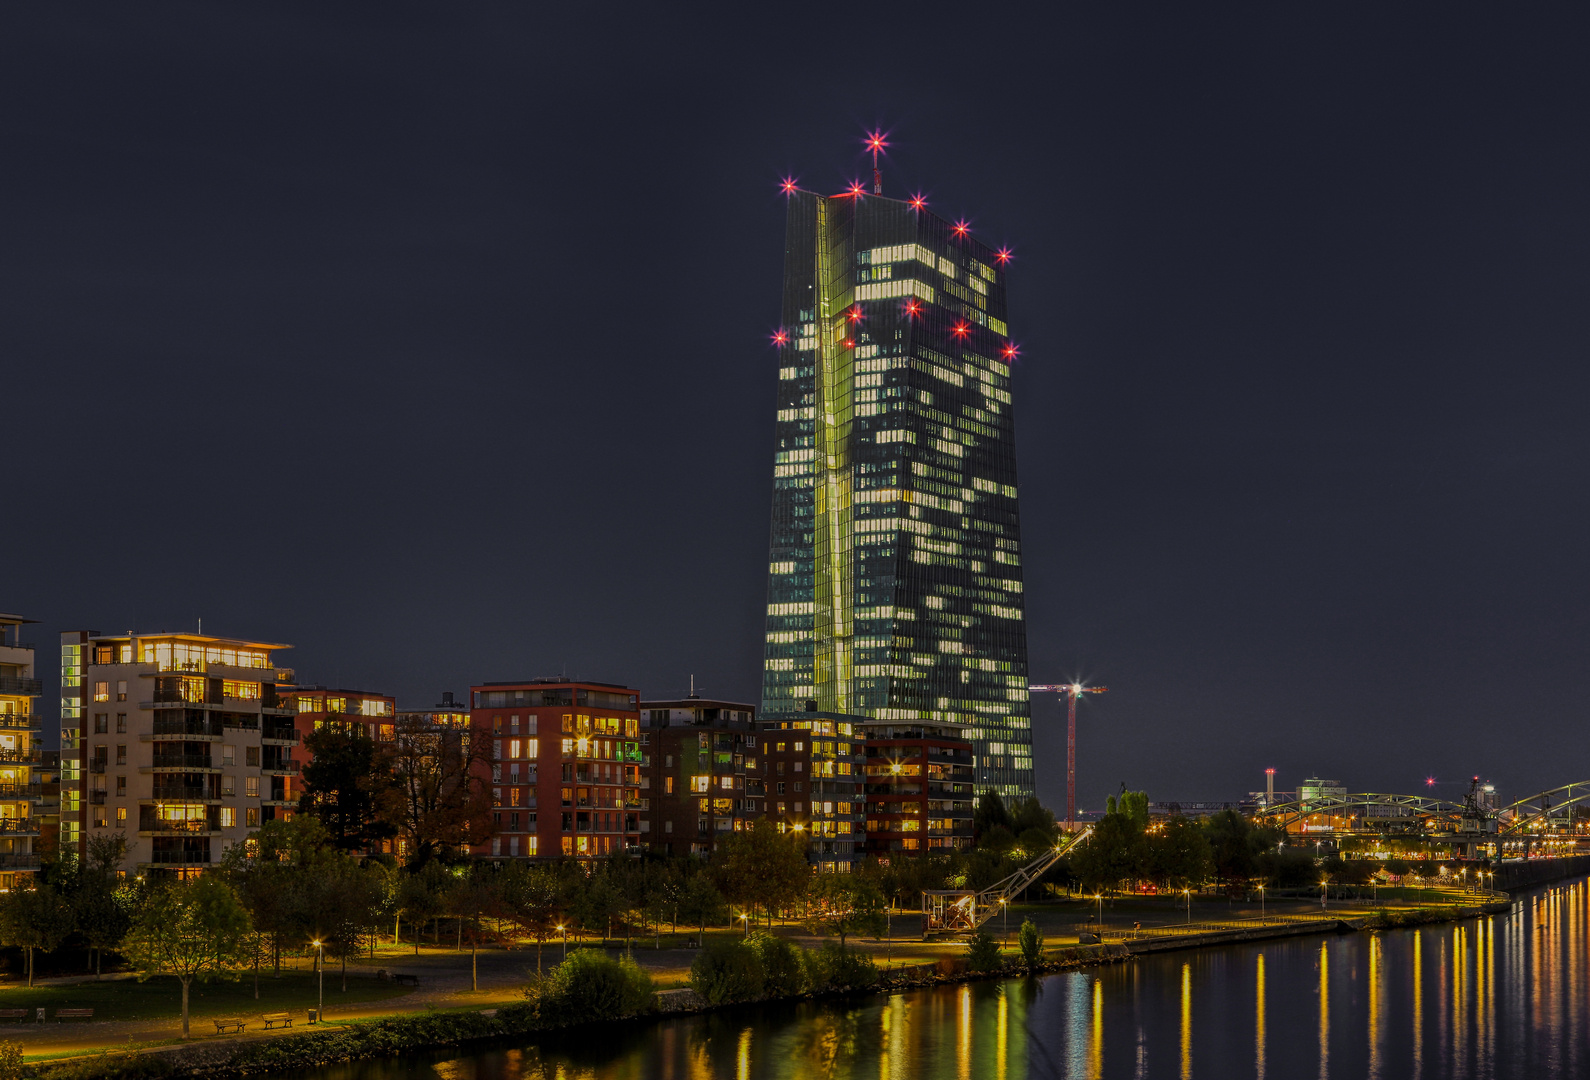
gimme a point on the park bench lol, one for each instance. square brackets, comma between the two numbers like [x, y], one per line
[74, 1014]
[13, 1014]
[221, 1026]
[400, 978]
[272, 1019]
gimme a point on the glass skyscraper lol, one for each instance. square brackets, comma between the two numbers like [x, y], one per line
[895, 586]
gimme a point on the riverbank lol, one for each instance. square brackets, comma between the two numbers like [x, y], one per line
[447, 1022]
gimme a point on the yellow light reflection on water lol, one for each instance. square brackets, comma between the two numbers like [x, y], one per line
[1324, 1014]
[1258, 1021]
[1003, 1036]
[1375, 999]
[744, 1060]
[1186, 1022]
[963, 1049]
[1096, 1036]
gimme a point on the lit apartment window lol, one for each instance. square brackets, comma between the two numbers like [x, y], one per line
[228, 785]
[668, 785]
[99, 819]
[228, 817]
[251, 788]
[102, 691]
[251, 817]
[121, 815]
[121, 690]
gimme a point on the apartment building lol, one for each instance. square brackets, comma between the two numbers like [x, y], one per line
[315, 707]
[20, 789]
[183, 744]
[919, 786]
[812, 773]
[566, 764]
[700, 777]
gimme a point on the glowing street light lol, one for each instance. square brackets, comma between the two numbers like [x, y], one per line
[564, 930]
[746, 919]
[320, 1004]
[1188, 894]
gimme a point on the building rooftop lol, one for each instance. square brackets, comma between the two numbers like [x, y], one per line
[181, 635]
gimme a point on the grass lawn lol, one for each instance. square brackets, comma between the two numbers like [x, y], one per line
[161, 997]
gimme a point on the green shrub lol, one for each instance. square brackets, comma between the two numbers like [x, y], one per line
[589, 985]
[727, 970]
[1031, 944]
[10, 1060]
[982, 952]
[783, 972]
[835, 967]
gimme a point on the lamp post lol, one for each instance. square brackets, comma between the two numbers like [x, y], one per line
[746, 920]
[564, 930]
[1261, 903]
[1004, 905]
[320, 962]
[1188, 894]
[1323, 882]
[1099, 896]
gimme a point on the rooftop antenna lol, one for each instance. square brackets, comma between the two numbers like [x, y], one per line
[876, 141]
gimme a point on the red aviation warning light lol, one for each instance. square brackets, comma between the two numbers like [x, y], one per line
[1003, 255]
[857, 189]
[854, 314]
[962, 228]
[913, 308]
[1009, 352]
[780, 337]
[788, 185]
[918, 201]
[961, 328]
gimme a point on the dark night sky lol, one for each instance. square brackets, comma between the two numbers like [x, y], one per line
[432, 339]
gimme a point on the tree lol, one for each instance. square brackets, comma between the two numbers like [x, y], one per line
[194, 929]
[761, 867]
[982, 951]
[278, 875]
[477, 899]
[338, 905]
[440, 798]
[845, 904]
[343, 786]
[1113, 854]
[1178, 854]
[1031, 942]
[701, 902]
[536, 900]
[727, 970]
[423, 897]
[1234, 847]
[35, 917]
[989, 814]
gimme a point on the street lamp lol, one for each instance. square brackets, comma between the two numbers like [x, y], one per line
[1323, 882]
[564, 930]
[1004, 905]
[1099, 896]
[320, 1004]
[1261, 903]
[1188, 893]
[746, 919]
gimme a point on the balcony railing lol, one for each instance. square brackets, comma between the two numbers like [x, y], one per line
[18, 827]
[182, 792]
[271, 767]
[22, 721]
[19, 862]
[165, 725]
[97, 797]
[97, 765]
[175, 761]
[10, 684]
[179, 858]
[22, 791]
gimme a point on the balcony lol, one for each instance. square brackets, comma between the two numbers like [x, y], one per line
[10, 684]
[19, 862]
[279, 768]
[33, 790]
[97, 797]
[181, 793]
[178, 858]
[175, 762]
[97, 765]
[19, 721]
[18, 827]
[279, 737]
[181, 726]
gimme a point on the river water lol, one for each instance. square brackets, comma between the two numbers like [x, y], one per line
[1502, 996]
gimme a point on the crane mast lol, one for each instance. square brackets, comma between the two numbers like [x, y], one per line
[1070, 690]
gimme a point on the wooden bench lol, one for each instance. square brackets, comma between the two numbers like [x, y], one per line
[13, 1014]
[221, 1026]
[401, 979]
[74, 1014]
[272, 1019]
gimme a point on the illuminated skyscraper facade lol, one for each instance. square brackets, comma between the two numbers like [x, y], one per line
[895, 586]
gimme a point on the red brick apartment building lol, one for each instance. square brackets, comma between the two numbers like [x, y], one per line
[919, 786]
[566, 766]
[701, 778]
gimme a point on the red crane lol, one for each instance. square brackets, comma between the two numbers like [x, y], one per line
[1070, 690]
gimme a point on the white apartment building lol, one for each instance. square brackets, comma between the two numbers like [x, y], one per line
[182, 744]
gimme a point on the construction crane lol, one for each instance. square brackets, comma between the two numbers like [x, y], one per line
[1070, 690]
[955, 910]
